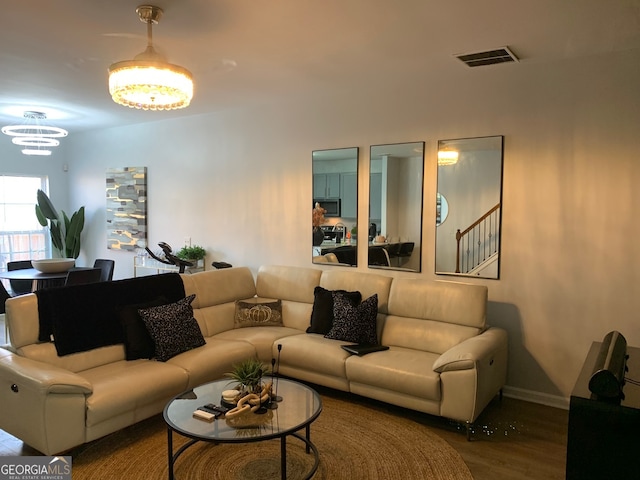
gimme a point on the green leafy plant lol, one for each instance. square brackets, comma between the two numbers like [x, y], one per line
[248, 373]
[65, 231]
[193, 252]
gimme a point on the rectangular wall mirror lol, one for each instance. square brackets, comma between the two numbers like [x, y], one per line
[469, 207]
[335, 206]
[394, 238]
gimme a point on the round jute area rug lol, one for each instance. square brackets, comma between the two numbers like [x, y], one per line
[354, 441]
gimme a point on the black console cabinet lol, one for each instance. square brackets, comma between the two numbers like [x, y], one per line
[604, 435]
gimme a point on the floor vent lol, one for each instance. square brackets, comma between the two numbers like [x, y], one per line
[490, 57]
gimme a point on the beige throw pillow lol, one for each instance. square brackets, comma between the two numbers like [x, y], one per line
[256, 313]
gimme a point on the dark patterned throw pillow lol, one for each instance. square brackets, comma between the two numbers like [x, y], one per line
[172, 328]
[322, 313]
[137, 341]
[355, 324]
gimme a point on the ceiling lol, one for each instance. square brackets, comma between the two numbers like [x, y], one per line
[55, 54]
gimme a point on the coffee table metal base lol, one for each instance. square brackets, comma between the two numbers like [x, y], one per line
[309, 447]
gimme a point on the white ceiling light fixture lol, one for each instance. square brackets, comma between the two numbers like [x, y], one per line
[447, 157]
[34, 135]
[149, 82]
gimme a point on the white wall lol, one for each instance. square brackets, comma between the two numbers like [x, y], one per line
[239, 183]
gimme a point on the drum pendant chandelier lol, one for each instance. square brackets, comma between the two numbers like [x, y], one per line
[149, 82]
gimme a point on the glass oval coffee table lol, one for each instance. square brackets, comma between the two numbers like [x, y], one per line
[299, 407]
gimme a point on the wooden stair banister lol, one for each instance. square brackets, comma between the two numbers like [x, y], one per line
[460, 235]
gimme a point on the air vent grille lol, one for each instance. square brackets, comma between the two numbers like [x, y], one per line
[490, 57]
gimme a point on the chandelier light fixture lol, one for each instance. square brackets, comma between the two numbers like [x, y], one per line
[149, 82]
[447, 157]
[33, 135]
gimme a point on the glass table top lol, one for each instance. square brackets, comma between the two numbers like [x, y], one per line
[300, 406]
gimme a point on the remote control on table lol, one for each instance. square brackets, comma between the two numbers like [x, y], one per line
[209, 411]
[215, 408]
[204, 415]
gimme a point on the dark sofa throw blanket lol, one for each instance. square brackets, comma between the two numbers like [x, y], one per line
[83, 317]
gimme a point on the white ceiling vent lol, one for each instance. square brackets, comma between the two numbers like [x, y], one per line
[490, 57]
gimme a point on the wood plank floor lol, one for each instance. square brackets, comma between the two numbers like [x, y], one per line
[512, 439]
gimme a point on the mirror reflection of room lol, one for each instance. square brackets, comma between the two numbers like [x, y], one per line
[468, 206]
[335, 206]
[395, 206]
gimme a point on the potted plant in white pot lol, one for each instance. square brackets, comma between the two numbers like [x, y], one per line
[193, 254]
[65, 231]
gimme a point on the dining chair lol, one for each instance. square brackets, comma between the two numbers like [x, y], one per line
[78, 276]
[393, 249]
[406, 249]
[106, 267]
[4, 296]
[20, 287]
[346, 254]
[379, 257]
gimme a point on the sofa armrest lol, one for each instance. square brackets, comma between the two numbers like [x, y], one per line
[43, 405]
[471, 373]
[40, 377]
[466, 355]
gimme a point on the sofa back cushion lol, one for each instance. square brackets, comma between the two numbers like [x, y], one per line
[75, 362]
[83, 317]
[433, 316]
[368, 284]
[22, 319]
[365, 283]
[216, 293]
[424, 335]
[294, 286]
[215, 287]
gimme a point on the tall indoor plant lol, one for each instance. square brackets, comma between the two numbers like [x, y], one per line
[65, 231]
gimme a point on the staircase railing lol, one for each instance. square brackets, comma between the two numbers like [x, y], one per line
[478, 242]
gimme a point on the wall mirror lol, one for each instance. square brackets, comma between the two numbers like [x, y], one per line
[394, 238]
[469, 206]
[335, 206]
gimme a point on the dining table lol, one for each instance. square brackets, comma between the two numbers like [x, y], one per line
[39, 279]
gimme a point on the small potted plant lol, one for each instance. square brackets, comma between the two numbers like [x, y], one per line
[248, 374]
[192, 253]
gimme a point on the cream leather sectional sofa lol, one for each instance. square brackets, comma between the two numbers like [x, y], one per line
[442, 359]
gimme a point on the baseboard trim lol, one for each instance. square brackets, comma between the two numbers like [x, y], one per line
[536, 397]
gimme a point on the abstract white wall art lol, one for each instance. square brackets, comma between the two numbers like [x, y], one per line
[126, 208]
